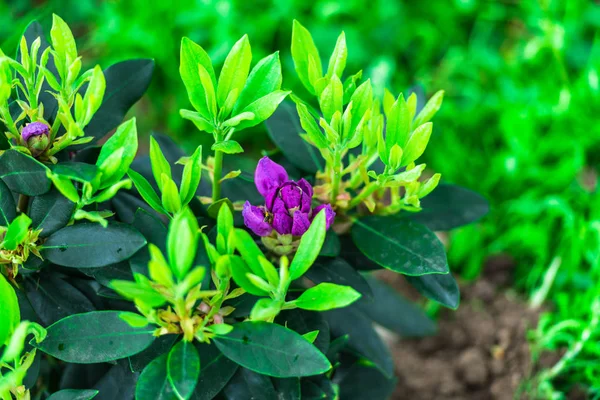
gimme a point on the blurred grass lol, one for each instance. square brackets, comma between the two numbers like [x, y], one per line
[519, 122]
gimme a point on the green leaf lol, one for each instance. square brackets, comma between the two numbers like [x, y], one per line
[400, 245]
[124, 139]
[332, 98]
[183, 368]
[228, 147]
[23, 174]
[398, 125]
[303, 48]
[138, 291]
[450, 206]
[74, 394]
[146, 191]
[437, 287]
[62, 39]
[430, 109]
[391, 310]
[190, 179]
[308, 123]
[239, 271]
[159, 163]
[17, 232]
[417, 143]
[94, 94]
[201, 122]
[273, 350]
[215, 372]
[8, 208]
[250, 251]
[262, 108]
[234, 122]
[337, 62]
[264, 78]
[283, 128]
[76, 171]
[170, 198]
[303, 322]
[326, 296]
[235, 70]
[89, 245]
[95, 337]
[182, 242]
[209, 91]
[265, 309]
[153, 383]
[246, 384]
[193, 55]
[363, 381]
[310, 246]
[10, 314]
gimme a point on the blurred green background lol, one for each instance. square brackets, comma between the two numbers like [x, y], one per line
[519, 122]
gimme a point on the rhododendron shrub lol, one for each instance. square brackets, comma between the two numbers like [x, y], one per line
[192, 276]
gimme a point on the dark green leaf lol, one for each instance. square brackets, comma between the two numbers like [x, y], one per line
[303, 321]
[215, 372]
[160, 346]
[53, 298]
[247, 384]
[362, 336]
[95, 337]
[89, 245]
[183, 368]
[77, 171]
[400, 245]
[103, 275]
[440, 288]
[317, 388]
[365, 382]
[450, 206]
[287, 388]
[340, 272]
[50, 212]
[331, 246]
[390, 309]
[273, 350]
[284, 129]
[8, 208]
[74, 394]
[23, 174]
[153, 383]
[126, 82]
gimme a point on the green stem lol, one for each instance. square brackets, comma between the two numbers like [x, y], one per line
[336, 176]
[216, 185]
[366, 192]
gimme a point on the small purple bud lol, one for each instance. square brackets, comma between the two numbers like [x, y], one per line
[255, 219]
[34, 129]
[329, 213]
[37, 137]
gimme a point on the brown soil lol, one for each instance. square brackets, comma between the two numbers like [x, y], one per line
[480, 351]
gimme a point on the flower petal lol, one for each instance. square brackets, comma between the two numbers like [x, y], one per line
[282, 223]
[291, 194]
[329, 213]
[269, 176]
[306, 187]
[301, 223]
[254, 219]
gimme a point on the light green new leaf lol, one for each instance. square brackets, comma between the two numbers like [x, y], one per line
[398, 125]
[310, 246]
[16, 232]
[170, 196]
[308, 123]
[303, 48]
[182, 242]
[337, 62]
[432, 107]
[146, 191]
[326, 296]
[332, 98]
[263, 108]
[228, 147]
[209, 90]
[125, 140]
[264, 78]
[159, 163]
[417, 143]
[235, 70]
[193, 55]
[190, 179]
[62, 39]
[10, 315]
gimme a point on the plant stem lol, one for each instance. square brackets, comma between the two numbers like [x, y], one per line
[216, 185]
[336, 176]
[366, 192]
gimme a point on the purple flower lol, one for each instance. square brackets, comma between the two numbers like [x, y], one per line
[288, 204]
[34, 129]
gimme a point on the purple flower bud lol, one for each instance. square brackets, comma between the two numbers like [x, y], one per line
[34, 129]
[288, 204]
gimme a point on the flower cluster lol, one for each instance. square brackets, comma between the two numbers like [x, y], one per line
[36, 137]
[288, 204]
